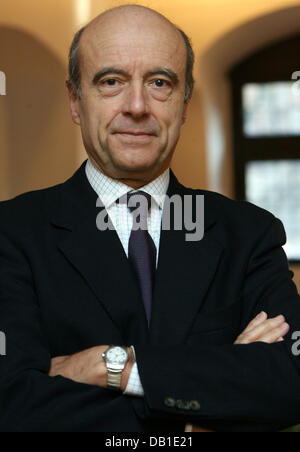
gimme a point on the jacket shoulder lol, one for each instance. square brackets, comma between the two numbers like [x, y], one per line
[27, 209]
[243, 214]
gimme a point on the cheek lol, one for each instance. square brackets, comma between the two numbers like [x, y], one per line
[173, 125]
[170, 115]
[99, 115]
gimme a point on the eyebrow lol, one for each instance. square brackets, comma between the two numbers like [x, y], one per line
[157, 71]
[105, 71]
[164, 71]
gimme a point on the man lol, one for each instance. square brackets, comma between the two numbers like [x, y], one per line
[201, 339]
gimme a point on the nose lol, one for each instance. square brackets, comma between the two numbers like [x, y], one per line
[136, 100]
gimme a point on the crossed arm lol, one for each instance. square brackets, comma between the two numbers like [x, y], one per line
[88, 367]
[256, 383]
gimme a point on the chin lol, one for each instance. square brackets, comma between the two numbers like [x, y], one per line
[136, 166]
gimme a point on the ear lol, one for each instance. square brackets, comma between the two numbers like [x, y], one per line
[184, 112]
[74, 102]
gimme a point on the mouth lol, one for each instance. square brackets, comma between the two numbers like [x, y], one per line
[134, 136]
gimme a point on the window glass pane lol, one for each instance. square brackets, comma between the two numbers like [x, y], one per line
[271, 109]
[275, 186]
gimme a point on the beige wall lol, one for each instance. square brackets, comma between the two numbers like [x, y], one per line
[39, 145]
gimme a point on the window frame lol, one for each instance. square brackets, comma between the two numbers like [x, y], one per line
[259, 67]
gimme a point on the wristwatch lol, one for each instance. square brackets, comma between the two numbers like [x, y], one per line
[116, 358]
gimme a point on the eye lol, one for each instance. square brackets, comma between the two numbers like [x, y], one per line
[110, 82]
[160, 83]
[160, 88]
[110, 86]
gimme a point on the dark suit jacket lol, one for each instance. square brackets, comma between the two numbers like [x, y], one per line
[66, 286]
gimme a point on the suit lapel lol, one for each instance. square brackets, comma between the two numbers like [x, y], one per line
[185, 271]
[100, 259]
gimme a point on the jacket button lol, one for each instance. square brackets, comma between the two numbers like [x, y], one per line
[170, 402]
[182, 404]
[194, 405]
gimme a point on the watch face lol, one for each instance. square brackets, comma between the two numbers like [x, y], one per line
[116, 355]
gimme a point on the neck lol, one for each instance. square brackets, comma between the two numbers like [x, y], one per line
[134, 183]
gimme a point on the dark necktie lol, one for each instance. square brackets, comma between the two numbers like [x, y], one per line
[141, 248]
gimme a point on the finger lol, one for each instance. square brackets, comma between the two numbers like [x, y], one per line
[261, 317]
[58, 359]
[266, 325]
[269, 336]
[275, 335]
[260, 331]
[56, 364]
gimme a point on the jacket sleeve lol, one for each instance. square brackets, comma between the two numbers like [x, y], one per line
[235, 387]
[30, 400]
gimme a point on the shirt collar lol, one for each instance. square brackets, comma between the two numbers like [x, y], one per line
[109, 190]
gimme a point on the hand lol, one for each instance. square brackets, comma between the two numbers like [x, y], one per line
[262, 329]
[88, 367]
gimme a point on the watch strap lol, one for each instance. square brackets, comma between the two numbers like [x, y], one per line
[114, 378]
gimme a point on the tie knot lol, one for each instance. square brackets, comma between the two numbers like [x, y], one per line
[137, 200]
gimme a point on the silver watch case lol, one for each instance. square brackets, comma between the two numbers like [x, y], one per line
[116, 357]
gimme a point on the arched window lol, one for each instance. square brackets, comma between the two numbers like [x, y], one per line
[266, 131]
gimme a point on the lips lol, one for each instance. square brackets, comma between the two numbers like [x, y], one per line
[134, 136]
[134, 133]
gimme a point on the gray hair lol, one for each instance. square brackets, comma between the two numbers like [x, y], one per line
[74, 64]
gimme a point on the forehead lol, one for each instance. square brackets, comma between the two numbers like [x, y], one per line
[130, 44]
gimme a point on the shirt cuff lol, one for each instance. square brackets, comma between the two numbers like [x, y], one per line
[134, 386]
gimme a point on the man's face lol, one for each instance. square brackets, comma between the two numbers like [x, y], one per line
[132, 105]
